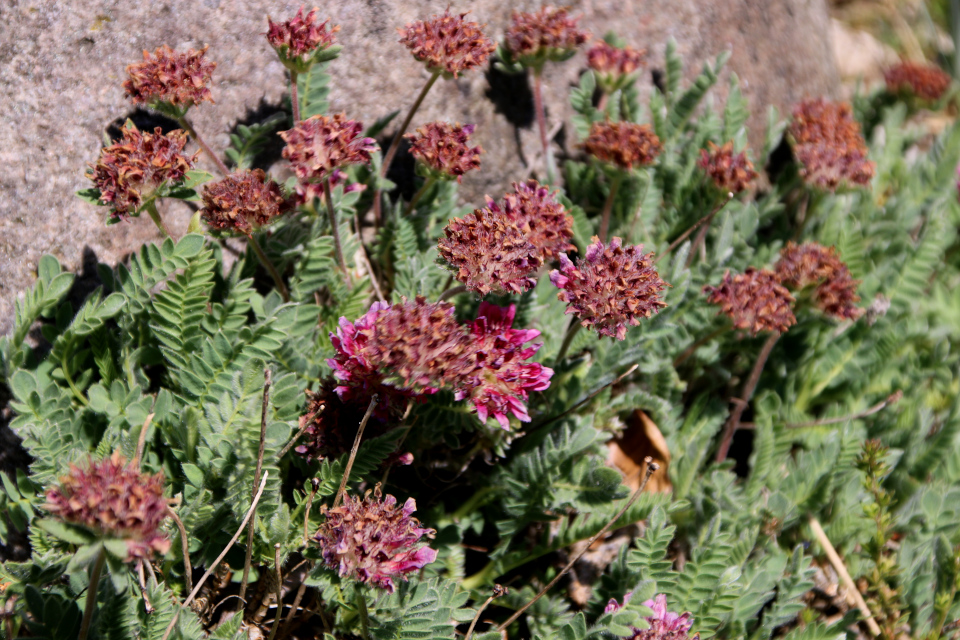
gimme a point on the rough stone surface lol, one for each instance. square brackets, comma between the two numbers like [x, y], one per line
[62, 64]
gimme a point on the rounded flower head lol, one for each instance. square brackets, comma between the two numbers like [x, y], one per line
[447, 43]
[730, 172]
[131, 171]
[755, 300]
[113, 499]
[413, 347]
[444, 149]
[924, 81]
[243, 202]
[829, 146]
[373, 541]
[297, 41]
[502, 380]
[610, 287]
[547, 34]
[626, 145]
[320, 144]
[811, 264]
[615, 68]
[662, 625]
[500, 248]
[178, 80]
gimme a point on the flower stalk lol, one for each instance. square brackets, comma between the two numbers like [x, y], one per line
[740, 404]
[151, 208]
[270, 267]
[335, 230]
[542, 124]
[91, 602]
[608, 206]
[183, 122]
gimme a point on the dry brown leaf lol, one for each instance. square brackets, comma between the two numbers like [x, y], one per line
[640, 439]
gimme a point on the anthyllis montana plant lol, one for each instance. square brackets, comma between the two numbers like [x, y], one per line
[393, 419]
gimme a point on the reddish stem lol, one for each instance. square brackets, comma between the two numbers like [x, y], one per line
[740, 404]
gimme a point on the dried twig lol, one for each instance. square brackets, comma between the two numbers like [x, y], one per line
[296, 436]
[651, 468]
[740, 404]
[498, 590]
[302, 589]
[893, 398]
[353, 452]
[279, 616]
[306, 514]
[593, 394]
[853, 594]
[267, 380]
[142, 441]
[223, 554]
[147, 607]
[185, 545]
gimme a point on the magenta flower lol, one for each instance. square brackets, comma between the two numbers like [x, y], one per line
[298, 40]
[611, 287]
[664, 625]
[319, 145]
[502, 380]
[372, 541]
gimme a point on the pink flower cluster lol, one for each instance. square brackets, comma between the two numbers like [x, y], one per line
[318, 146]
[296, 40]
[371, 540]
[664, 625]
[416, 348]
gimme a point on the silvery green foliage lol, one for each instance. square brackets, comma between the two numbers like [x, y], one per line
[176, 341]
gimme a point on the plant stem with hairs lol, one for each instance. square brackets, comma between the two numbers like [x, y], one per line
[183, 122]
[572, 329]
[419, 194]
[294, 98]
[151, 208]
[335, 230]
[269, 266]
[740, 404]
[353, 451]
[91, 602]
[256, 480]
[542, 123]
[608, 206]
[395, 143]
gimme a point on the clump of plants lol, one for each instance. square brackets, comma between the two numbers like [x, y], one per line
[394, 418]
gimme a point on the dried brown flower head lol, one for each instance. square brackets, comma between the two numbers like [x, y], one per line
[320, 144]
[615, 67]
[811, 264]
[500, 248]
[611, 287]
[177, 79]
[829, 146]
[113, 499]
[925, 81]
[371, 540]
[297, 41]
[730, 172]
[243, 202]
[130, 172]
[548, 34]
[447, 43]
[444, 149]
[626, 145]
[755, 300]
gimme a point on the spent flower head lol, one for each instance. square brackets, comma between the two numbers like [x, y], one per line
[730, 172]
[319, 145]
[811, 264]
[626, 145]
[132, 171]
[828, 144]
[447, 43]
[169, 81]
[444, 150]
[924, 81]
[503, 379]
[500, 248]
[550, 34]
[615, 67]
[662, 625]
[611, 287]
[243, 202]
[373, 541]
[755, 300]
[301, 40]
[411, 347]
[113, 499]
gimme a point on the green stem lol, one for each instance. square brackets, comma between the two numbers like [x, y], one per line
[294, 98]
[477, 500]
[542, 123]
[419, 194]
[268, 265]
[364, 615]
[741, 404]
[203, 145]
[572, 330]
[91, 603]
[151, 208]
[608, 206]
[65, 367]
[335, 230]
